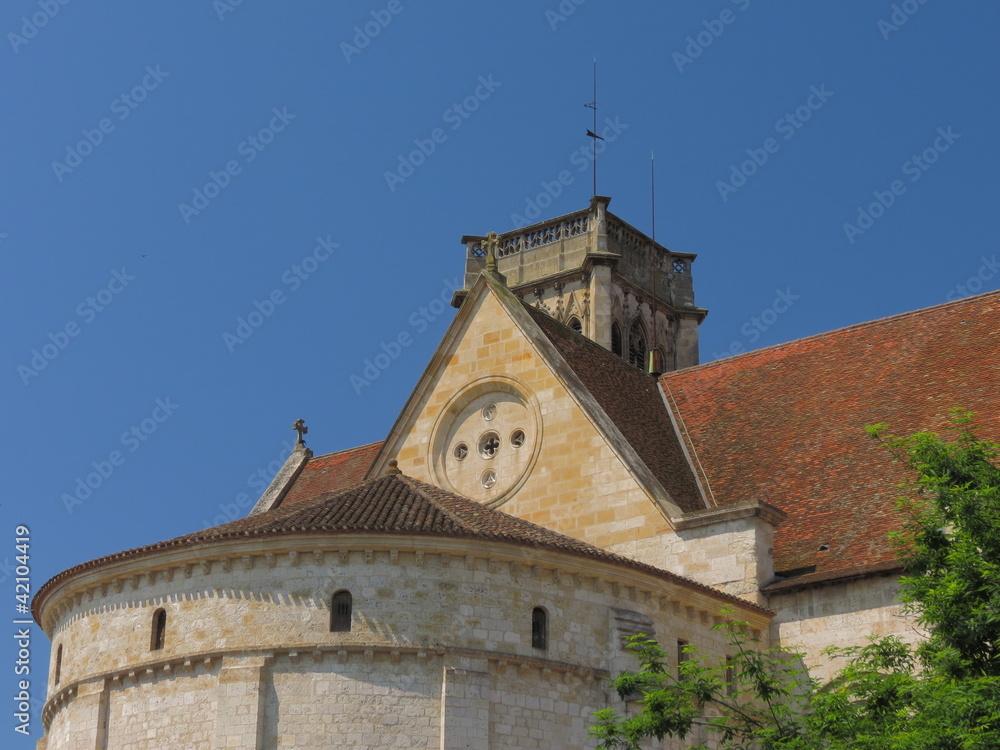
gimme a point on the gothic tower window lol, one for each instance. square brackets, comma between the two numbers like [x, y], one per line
[58, 664]
[340, 612]
[637, 344]
[159, 634]
[539, 629]
[575, 324]
[616, 339]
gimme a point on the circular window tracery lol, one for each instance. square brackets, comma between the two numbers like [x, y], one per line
[489, 444]
[498, 421]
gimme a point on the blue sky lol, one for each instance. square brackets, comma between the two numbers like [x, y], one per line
[169, 169]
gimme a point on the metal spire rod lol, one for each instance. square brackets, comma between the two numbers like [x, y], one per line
[593, 133]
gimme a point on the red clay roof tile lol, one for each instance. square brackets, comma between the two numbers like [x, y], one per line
[332, 472]
[786, 424]
[394, 504]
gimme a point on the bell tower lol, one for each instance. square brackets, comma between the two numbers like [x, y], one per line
[604, 278]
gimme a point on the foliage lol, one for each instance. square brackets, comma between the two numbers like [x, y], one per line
[950, 548]
[753, 697]
[943, 695]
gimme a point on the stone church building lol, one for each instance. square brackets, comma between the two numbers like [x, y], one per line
[468, 582]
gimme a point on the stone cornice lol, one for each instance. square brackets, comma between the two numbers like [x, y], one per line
[749, 509]
[634, 581]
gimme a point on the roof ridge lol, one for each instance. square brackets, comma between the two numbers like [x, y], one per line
[674, 412]
[346, 450]
[420, 488]
[852, 326]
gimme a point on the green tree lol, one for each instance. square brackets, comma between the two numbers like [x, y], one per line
[950, 547]
[943, 695]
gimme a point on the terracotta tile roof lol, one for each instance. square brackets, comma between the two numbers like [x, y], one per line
[332, 472]
[786, 424]
[393, 504]
[633, 402]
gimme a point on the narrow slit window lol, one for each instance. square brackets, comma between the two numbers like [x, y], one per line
[539, 629]
[682, 654]
[58, 664]
[159, 634]
[616, 339]
[340, 612]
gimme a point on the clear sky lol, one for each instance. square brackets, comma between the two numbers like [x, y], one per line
[169, 169]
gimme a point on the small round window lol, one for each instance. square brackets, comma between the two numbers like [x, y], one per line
[489, 478]
[461, 451]
[490, 412]
[517, 438]
[489, 444]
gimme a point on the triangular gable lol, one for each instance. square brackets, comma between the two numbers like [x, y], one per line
[588, 481]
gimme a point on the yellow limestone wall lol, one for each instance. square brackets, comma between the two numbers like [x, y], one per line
[578, 485]
[440, 654]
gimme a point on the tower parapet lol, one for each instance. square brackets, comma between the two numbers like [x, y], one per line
[603, 277]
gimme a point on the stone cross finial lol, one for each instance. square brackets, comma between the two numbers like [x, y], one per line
[300, 427]
[491, 243]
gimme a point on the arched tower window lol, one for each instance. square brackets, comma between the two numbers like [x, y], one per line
[575, 324]
[340, 612]
[539, 629]
[159, 634]
[616, 339]
[637, 345]
[58, 664]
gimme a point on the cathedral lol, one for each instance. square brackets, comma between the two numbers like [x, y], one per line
[564, 474]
